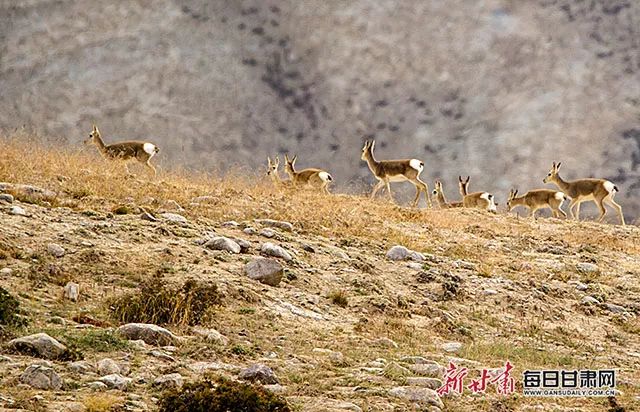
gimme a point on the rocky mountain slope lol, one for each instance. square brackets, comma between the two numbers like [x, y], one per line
[339, 316]
[495, 89]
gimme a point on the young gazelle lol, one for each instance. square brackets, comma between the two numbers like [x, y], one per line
[600, 191]
[538, 199]
[479, 200]
[125, 151]
[274, 173]
[316, 178]
[387, 171]
[438, 192]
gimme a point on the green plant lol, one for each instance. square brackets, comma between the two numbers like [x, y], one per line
[221, 395]
[190, 304]
[9, 310]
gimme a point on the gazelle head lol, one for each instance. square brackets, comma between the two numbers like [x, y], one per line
[367, 148]
[512, 195]
[95, 134]
[463, 184]
[553, 173]
[437, 187]
[272, 169]
[290, 164]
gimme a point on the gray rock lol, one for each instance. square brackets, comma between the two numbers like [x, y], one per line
[108, 366]
[175, 218]
[97, 386]
[41, 377]
[269, 233]
[148, 216]
[6, 197]
[116, 381]
[489, 292]
[432, 370]
[271, 249]
[267, 271]
[579, 285]
[40, 344]
[55, 250]
[149, 333]
[393, 371]
[452, 346]
[423, 396]
[6, 271]
[244, 245]
[260, 373]
[29, 191]
[463, 264]
[590, 300]
[615, 308]
[384, 343]
[170, 204]
[170, 381]
[276, 223]
[18, 211]
[57, 320]
[249, 231]
[201, 367]
[212, 335]
[275, 388]
[230, 223]
[72, 291]
[414, 359]
[586, 267]
[431, 383]
[223, 243]
[80, 367]
[398, 253]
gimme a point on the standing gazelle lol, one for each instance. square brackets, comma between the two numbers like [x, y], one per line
[538, 199]
[479, 200]
[395, 171]
[125, 151]
[600, 191]
[438, 192]
[316, 178]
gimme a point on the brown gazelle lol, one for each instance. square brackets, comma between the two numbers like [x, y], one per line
[600, 191]
[438, 192]
[125, 151]
[274, 173]
[316, 178]
[535, 200]
[479, 200]
[386, 171]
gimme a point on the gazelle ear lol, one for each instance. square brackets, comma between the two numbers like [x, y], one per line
[268, 160]
[558, 166]
[94, 128]
[468, 178]
[277, 162]
[294, 159]
[515, 193]
[286, 158]
[373, 144]
[460, 179]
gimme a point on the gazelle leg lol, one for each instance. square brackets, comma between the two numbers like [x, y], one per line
[616, 206]
[571, 206]
[388, 190]
[578, 210]
[376, 188]
[150, 166]
[560, 212]
[603, 210]
[421, 186]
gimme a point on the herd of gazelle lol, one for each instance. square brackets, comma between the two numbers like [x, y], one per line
[600, 191]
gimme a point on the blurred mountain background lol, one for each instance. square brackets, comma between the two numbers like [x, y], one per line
[494, 89]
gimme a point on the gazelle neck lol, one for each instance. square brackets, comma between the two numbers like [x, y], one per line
[371, 161]
[562, 184]
[518, 201]
[100, 143]
[440, 198]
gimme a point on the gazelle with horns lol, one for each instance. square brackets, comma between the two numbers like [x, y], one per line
[479, 200]
[125, 151]
[274, 173]
[538, 199]
[600, 191]
[438, 192]
[386, 171]
[316, 178]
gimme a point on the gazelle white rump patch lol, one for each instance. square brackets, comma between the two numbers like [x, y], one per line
[324, 176]
[609, 187]
[416, 164]
[559, 196]
[149, 148]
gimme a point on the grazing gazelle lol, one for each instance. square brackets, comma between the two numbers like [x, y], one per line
[438, 192]
[538, 199]
[600, 191]
[395, 171]
[125, 151]
[316, 178]
[479, 200]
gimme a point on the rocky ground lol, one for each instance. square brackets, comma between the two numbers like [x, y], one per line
[338, 303]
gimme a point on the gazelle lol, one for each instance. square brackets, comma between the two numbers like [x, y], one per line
[125, 151]
[274, 173]
[438, 192]
[600, 191]
[316, 178]
[387, 171]
[479, 200]
[538, 199]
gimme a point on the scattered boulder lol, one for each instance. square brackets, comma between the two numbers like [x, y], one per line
[28, 192]
[116, 381]
[423, 396]
[80, 367]
[175, 218]
[149, 333]
[431, 383]
[212, 335]
[148, 216]
[432, 369]
[271, 249]
[6, 198]
[586, 267]
[97, 386]
[590, 300]
[260, 373]
[249, 231]
[452, 346]
[394, 371]
[276, 223]
[611, 307]
[72, 291]
[267, 271]
[55, 250]
[268, 233]
[18, 211]
[385, 343]
[402, 253]
[6, 271]
[41, 377]
[170, 381]
[230, 223]
[223, 243]
[40, 344]
[171, 204]
[108, 366]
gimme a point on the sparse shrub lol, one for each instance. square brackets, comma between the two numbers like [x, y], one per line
[9, 310]
[339, 297]
[221, 395]
[103, 403]
[190, 304]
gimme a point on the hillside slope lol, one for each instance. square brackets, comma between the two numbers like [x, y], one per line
[495, 89]
[344, 328]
